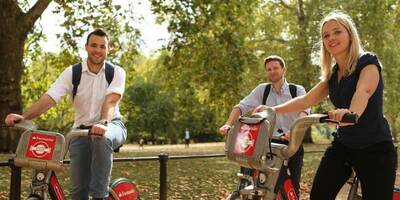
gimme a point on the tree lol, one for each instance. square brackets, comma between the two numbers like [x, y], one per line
[220, 44]
[15, 28]
[151, 112]
[80, 16]
[390, 58]
[46, 68]
[208, 53]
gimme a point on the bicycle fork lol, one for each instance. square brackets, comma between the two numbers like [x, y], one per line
[45, 184]
[354, 183]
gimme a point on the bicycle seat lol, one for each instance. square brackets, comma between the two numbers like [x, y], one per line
[40, 150]
[116, 150]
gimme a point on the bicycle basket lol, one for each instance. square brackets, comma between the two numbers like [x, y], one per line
[40, 150]
[248, 142]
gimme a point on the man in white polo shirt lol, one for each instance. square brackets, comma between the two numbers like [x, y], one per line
[95, 102]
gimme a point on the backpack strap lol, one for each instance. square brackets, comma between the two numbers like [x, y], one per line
[77, 72]
[266, 93]
[109, 72]
[76, 78]
[293, 90]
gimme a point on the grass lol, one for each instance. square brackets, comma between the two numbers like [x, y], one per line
[206, 178]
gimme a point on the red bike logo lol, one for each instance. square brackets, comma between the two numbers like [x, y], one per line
[125, 191]
[41, 146]
[246, 139]
[289, 190]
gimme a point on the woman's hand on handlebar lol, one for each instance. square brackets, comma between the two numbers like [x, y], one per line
[337, 116]
[224, 129]
[13, 118]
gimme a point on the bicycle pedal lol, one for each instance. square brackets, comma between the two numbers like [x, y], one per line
[243, 176]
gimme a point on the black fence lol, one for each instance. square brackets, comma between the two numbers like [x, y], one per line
[15, 183]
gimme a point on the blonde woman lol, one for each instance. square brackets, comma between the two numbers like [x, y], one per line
[352, 78]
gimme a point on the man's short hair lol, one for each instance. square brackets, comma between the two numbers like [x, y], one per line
[274, 58]
[98, 32]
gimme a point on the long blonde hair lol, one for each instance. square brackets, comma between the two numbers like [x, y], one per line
[326, 59]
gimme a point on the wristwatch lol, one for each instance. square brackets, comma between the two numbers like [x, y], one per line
[104, 122]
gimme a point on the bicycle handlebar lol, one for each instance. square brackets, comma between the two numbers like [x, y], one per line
[301, 125]
[24, 125]
[347, 118]
[83, 131]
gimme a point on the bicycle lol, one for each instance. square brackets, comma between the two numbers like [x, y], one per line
[249, 144]
[44, 152]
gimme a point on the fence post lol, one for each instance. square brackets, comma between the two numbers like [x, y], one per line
[15, 184]
[163, 158]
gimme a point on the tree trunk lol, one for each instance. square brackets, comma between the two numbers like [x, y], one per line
[14, 29]
[303, 48]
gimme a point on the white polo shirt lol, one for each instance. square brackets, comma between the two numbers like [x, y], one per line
[91, 92]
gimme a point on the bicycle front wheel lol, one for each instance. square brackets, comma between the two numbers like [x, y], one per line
[34, 198]
[234, 196]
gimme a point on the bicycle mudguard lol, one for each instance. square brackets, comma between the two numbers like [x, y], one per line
[40, 150]
[123, 189]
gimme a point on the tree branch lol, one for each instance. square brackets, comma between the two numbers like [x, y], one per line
[300, 11]
[288, 6]
[33, 14]
[280, 40]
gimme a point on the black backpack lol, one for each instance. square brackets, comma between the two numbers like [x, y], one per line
[77, 72]
[292, 89]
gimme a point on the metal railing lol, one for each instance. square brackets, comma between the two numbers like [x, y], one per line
[15, 183]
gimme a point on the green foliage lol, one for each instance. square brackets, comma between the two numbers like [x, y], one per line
[217, 48]
[150, 112]
[82, 16]
[214, 57]
[208, 54]
[37, 79]
[390, 59]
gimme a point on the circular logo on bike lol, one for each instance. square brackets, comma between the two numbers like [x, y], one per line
[41, 146]
[244, 140]
[40, 149]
